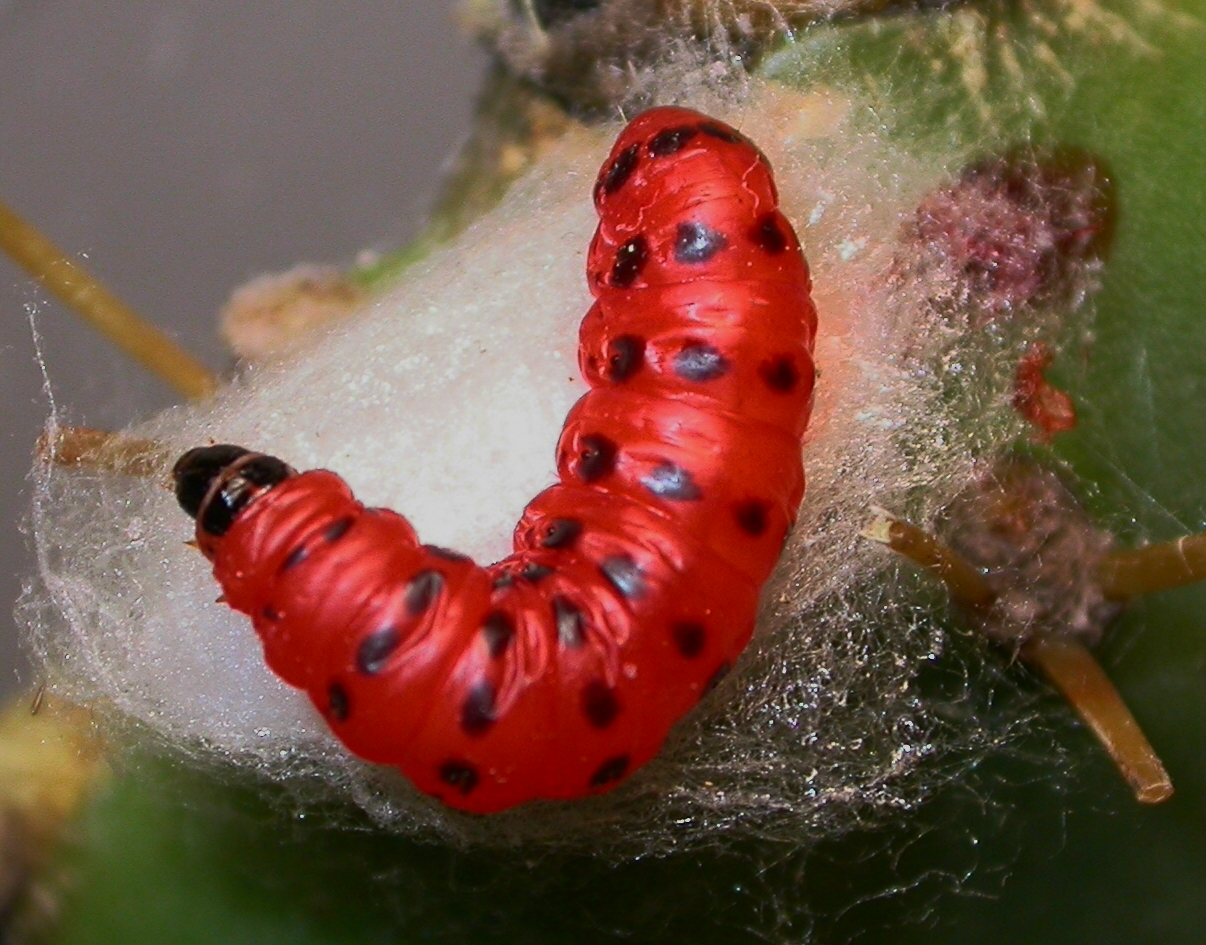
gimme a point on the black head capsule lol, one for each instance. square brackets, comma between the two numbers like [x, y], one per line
[197, 469]
[215, 483]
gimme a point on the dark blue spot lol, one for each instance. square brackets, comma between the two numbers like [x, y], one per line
[624, 574]
[422, 590]
[700, 362]
[768, 235]
[376, 649]
[338, 704]
[696, 243]
[611, 770]
[560, 533]
[625, 356]
[477, 713]
[780, 374]
[337, 529]
[599, 704]
[459, 774]
[596, 457]
[617, 175]
[689, 637]
[670, 481]
[629, 262]
[670, 141]
[751, 517]
[498, 632]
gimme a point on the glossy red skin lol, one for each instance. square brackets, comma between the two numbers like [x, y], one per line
[557, 714]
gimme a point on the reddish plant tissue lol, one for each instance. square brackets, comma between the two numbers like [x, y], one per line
[635, 579]
[1013, 231]
[1050, 409]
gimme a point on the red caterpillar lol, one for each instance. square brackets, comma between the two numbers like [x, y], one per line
[634, 582]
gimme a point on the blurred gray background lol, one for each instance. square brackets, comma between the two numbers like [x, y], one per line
[182, 147]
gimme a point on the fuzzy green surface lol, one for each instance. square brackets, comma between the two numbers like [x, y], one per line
[163, 857]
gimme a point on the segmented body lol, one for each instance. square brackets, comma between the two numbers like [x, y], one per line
[635, 579]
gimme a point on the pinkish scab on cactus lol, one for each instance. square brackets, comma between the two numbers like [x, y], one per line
[1012, 233]
[1039, 552]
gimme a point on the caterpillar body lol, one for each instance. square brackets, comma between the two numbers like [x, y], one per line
[635, 579]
